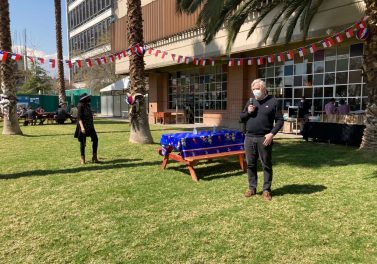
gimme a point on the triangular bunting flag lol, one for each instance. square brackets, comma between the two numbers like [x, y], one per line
[339, 37]
[89, 63]
[173, 56]
[280, 57]
[250, 61]
[271, 59]
[41, 60]
[260, 61]
[239, 62]
[290, 54]
[187, 60]
[112, 59]
[98, 61]
[313, 48]
[3, 55]
[164, 54]
[78, 62]
[157, 52]
[179, 60]
[15, 57]
[150, 50]
[301, 52]
[52, 63]
[69, 63]
[231, 63]
[349, 33]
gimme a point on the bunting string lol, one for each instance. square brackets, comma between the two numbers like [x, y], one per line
[358, 29]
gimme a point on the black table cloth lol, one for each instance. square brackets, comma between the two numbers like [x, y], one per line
[333, 133]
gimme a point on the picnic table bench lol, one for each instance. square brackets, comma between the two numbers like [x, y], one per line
[191, 148]
[192, 161]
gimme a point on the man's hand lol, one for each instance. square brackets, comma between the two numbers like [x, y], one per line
[268, 139]
[251, 109]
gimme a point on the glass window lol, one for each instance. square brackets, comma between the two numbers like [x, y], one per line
[297, 81]
[329, 78]
[342, 65]
[319, 55]
[308, 92]
[341, 77]
[356, 50]
[300, 69]
[328, 91]
[288, 70]
[330, 54]
[298, 93]
[318, 79]
[330, 66]
[318, 91]
[341, 91]
[356, 63]
[270, 72]
[354, 104]
[355, 77]
[319, 66]
[354, 90]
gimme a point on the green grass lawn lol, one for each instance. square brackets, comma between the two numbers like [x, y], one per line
[127, 210]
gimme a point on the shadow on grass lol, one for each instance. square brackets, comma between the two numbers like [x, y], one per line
[104, 165]
[298, 189]
[213, 170]
[71, 134]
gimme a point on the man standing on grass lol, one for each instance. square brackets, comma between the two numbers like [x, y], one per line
[259, 115]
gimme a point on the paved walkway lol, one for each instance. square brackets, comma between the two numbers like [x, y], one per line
[202, 126]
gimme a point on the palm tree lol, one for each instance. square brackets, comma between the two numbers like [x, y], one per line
[234, 13]
[59, 48]
[139, 125]
[9, 97]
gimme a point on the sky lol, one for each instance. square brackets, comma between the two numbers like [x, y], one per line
[37, 17]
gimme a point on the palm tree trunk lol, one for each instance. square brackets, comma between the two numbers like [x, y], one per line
[59, 48]
[9, 100]
[139, 125]
[369, 141]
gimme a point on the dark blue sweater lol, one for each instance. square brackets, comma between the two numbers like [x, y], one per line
[261, 121]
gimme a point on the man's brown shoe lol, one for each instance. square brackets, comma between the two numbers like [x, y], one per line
[267, 196]
[250, 193]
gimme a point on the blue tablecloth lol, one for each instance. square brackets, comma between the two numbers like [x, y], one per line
[202, 143]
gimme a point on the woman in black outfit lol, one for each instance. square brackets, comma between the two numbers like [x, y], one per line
[85, 127]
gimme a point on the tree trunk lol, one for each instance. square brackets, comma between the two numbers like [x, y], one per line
[369, 141]
[59, 49]
[9, 97]
[139, 125]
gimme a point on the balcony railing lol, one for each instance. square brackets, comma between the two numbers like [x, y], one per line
[160, 21]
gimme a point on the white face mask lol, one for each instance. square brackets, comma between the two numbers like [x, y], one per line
[257, 93]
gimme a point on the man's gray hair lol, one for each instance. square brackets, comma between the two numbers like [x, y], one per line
[260, 81]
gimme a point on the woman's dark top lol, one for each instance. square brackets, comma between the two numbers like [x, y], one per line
[84, 113]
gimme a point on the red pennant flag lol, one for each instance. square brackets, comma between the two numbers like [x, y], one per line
[69, 63]
[179, 60]
[203, 62]
[124, 53]
[260, 61]
[3, 55]
[313, 48]
[119, 55]
[187, 60]
[301, 52]
[173, 56]
[157, 52]
[280, 57]
[339, 37]
[98, 61]
[89, 63]
[349, 33]
[15, 57]
[363, 23]
[324, 43]
[164, 54]
[150, 50]
[104, 59]
[231, 63]
[78, 62]
[41, 60]
[31, 59]
[212, 61]
[112, 59]
[52, 63]
[250, 61]
[330, 42]
[290, 54]
[239, 62]
[271, 59]
[196, 61]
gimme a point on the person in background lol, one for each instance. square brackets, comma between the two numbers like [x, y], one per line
[85, 128]
[330, 108]
[343, 108]
[61, 114]
[31, 116]
[304, 107]
[73, 114]
[259, 115]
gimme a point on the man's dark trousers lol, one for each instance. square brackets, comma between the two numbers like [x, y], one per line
[254, 148]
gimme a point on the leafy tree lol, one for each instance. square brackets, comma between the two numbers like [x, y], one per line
[140, 130]
[290, 13]
[8, 97]
[37, 80]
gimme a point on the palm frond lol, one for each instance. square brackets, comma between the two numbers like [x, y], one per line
[309, 17]
[293, 21]
[188, 6]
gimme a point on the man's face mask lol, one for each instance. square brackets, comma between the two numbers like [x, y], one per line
[257, 93]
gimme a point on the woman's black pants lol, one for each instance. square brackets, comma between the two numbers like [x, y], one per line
[94, 144]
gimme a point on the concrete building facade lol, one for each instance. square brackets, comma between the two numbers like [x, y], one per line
[216, 94]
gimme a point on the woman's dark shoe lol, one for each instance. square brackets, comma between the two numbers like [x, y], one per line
[95, 159]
